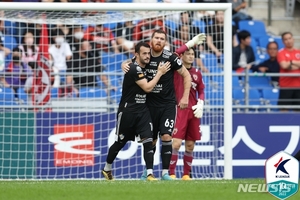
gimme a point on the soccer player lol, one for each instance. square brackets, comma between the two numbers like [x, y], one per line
[187, 125]
[133, 118]
[161, 101]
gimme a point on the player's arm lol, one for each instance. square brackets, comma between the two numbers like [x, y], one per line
[187, 82]
[285, 64]
[148, 86]
[198, 108]
[125, 65]
[197, 40]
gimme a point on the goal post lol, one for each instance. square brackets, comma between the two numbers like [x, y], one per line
[134, 12]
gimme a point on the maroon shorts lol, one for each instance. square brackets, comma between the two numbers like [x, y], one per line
[187, 126]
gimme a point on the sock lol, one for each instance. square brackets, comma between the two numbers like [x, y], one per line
[187, 162]
[148, 154]
[173, 161]
[149, 171]
[166, 153]
[107, 167]
[113, 151]
[297, 155]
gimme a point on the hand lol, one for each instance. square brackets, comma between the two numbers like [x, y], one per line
[125, 67]
[197, 40]
[183, 103]
[218, 53]
[198, 109]
[164, 67]
[263, 69]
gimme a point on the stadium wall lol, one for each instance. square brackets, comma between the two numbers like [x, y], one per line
[28, 142]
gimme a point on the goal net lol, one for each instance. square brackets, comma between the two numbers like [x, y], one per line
[61, 82]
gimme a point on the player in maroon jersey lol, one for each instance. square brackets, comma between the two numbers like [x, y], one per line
[187, 126]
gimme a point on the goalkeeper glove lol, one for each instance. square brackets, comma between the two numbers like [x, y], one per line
[198, 39]
[198, 109]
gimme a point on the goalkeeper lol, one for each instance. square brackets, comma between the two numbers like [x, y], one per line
[187, 125]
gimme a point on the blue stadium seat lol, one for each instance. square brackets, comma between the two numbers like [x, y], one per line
[270, 95]
[255, 27]
[89, 92]
[114, 62]
[279, 42]
[125, 1]
[200, 24]
[214, 96]
[54, 92]
[171, 25]
[116, 95]
[7, 94]
[239, 96]
[22, 95]
[259, 82]
[210, 61]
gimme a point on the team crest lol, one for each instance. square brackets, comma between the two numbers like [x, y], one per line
[195, 77]
[139, 69]
[298, 55]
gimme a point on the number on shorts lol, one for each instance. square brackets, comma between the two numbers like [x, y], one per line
[169, 123]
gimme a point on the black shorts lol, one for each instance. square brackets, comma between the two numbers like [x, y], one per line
[131, 125]
[289, 97]
[163, 119]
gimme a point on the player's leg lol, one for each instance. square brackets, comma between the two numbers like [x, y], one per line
[144, 129]
[166, 126]
[122, 130]
[178, 135]
[154, 114]
[112, 154]
[193, 134]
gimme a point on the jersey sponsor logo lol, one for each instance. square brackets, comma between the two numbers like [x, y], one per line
[73, 145]
[141, 75]
[167, 53]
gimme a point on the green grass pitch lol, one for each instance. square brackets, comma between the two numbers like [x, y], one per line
[131, 190]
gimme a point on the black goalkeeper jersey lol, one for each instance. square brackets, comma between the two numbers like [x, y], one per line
[133, 96]
[163, 93]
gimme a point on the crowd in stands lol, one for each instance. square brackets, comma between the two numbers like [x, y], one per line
[90, 49]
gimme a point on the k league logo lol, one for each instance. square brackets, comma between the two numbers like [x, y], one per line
[282, 175]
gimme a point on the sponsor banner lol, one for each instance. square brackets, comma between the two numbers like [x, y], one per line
[75, 145]
[17, 145]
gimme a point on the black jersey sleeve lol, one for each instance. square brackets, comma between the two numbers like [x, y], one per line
[175, 62]
[136, 72]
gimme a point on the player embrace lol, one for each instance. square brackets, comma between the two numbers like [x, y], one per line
[187, 126]
[133, 117]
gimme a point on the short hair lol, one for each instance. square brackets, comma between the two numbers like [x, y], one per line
[242, 35]
[159, 31]
[286, 33]
[17, 49]
[138, 46]
[273, 42]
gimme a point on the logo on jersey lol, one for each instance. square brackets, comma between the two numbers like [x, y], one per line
[179, 62]
[298, 55]
[195, 77]
[175, 130]
[139, 69]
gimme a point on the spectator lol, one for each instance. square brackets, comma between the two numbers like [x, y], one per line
[20, 71]
[185, 18]
[77, 38]
[29, 50]
[183, 38]
[59, 52]
[3, 53]
[85, 61]
[243, 54]
[214, 34]
[271, 65]
[103, 37]
[239, 11]
[144, 29]
[289, 61]
[124, 37]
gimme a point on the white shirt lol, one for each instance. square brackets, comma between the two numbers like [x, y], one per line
[59, 55]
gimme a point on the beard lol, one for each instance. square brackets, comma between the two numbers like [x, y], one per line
[157, 48]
